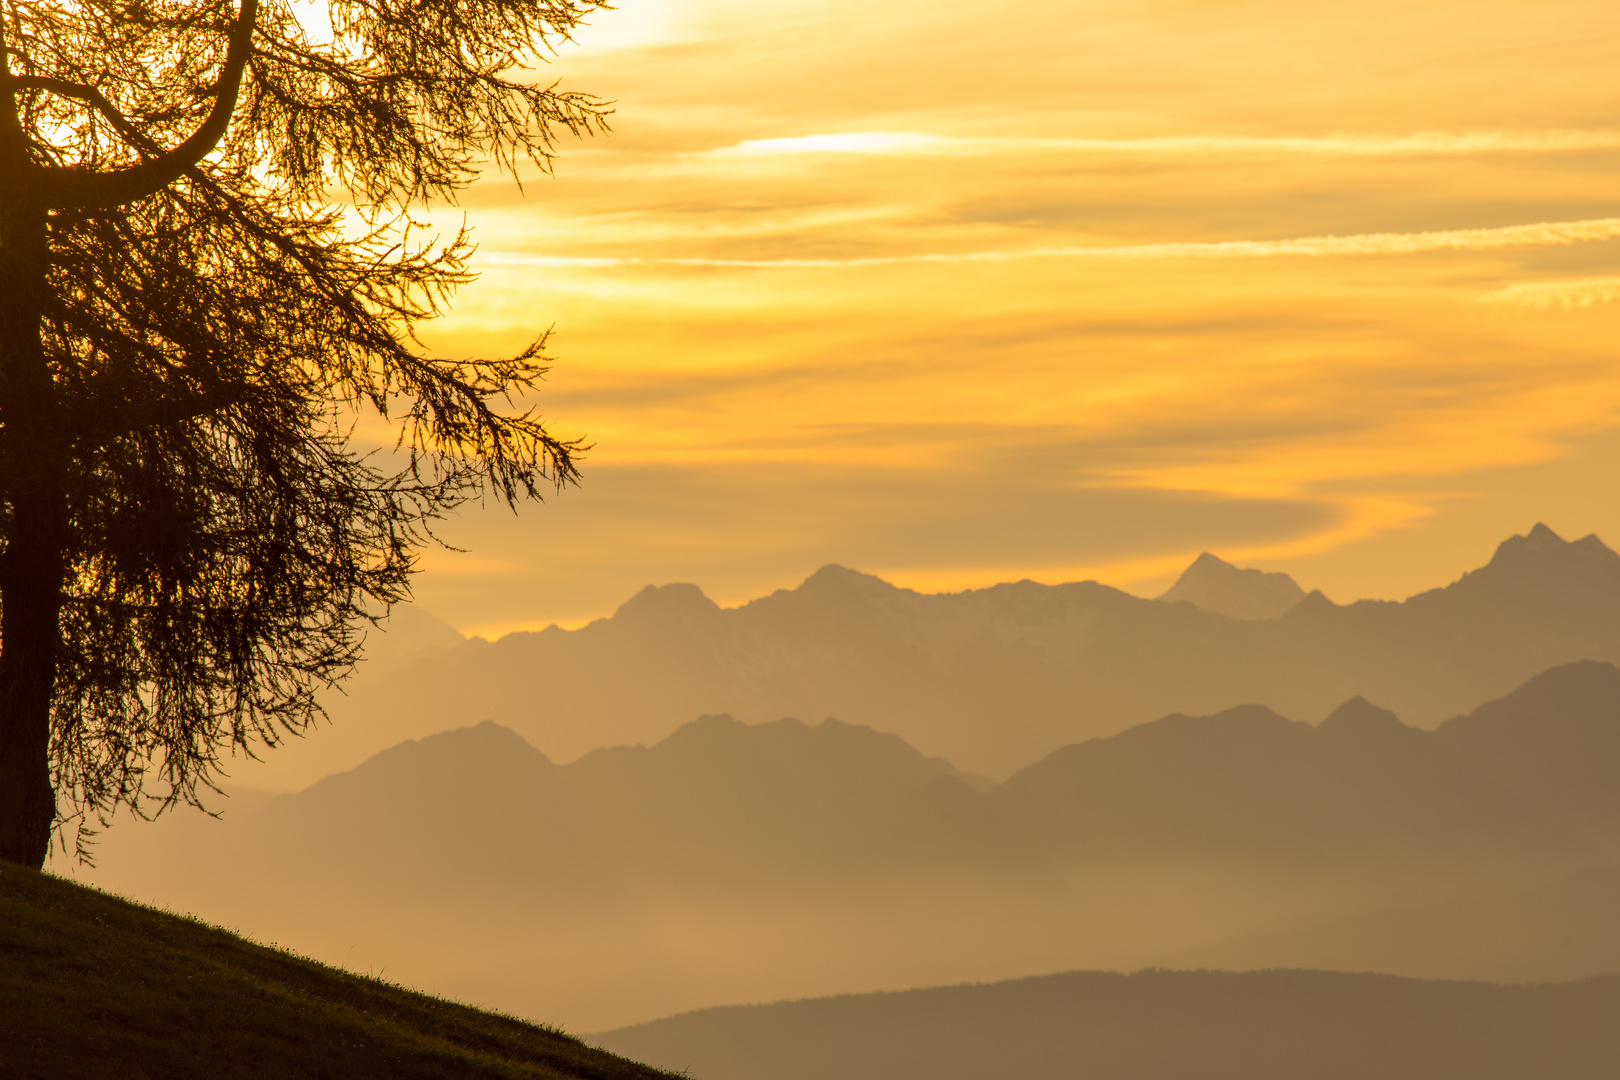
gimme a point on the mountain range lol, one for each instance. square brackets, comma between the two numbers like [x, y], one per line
[990, 679]
[812, 858]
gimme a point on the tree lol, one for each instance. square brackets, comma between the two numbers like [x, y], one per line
[208, 270]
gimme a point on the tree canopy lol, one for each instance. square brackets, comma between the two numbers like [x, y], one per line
[208, 269]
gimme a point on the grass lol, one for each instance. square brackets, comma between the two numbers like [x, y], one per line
[93, 986]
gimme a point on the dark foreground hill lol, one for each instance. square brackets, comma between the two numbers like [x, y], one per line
[1157, 1025]
[92, 986]
[990, 679]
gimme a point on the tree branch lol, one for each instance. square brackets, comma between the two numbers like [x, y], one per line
[69, 189]
[94, 97]
[12, 139]
[101, 425]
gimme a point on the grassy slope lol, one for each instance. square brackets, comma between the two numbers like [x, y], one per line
[93, 986]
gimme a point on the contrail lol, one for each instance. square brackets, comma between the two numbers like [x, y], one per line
[1581, 292]
[1542, 234]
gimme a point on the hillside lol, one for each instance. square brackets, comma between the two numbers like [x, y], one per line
[990, 679]
[1157, 1025]
[819, 858]
[92, 986]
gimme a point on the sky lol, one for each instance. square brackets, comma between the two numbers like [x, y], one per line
[958, 295]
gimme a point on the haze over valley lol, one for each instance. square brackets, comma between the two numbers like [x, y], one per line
[726, 859]
[1157, 1025]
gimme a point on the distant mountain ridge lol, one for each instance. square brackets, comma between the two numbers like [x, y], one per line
[992, 679]
[723, 800]
[1536, 763]
[782, 840]
[1544, 931]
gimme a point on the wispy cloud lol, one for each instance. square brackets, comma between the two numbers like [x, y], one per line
[1416, 144]
[1541, 295]
[1535, 235]
[1255, 281]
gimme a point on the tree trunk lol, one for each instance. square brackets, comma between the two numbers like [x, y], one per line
[33, 492]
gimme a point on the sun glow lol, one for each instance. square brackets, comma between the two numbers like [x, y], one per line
[845, 283]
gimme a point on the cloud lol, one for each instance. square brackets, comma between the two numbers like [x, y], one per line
[1144, 279]
[1541, 295]
[1534, 235]
[862, 142]
[1192, 147]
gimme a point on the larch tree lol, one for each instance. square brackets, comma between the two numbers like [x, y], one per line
[208, 270]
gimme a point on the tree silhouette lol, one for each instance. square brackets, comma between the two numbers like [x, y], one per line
[207, 271]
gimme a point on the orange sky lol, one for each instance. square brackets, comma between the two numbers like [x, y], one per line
[1060, 290]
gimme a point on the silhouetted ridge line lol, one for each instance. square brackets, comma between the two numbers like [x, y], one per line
[993, 679]
[727, 801]
[1155, 1025]
[1359, 717]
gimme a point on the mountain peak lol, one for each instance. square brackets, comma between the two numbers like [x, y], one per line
[1542, 542]
[1541, 534]
[408, 635]
[833, 578]
[1585, 688]
[1542, 557]
[678, 598]
[1216, 585]
[833, 573]
[1359, 716]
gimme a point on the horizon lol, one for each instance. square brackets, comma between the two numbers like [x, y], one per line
[1159, 586]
